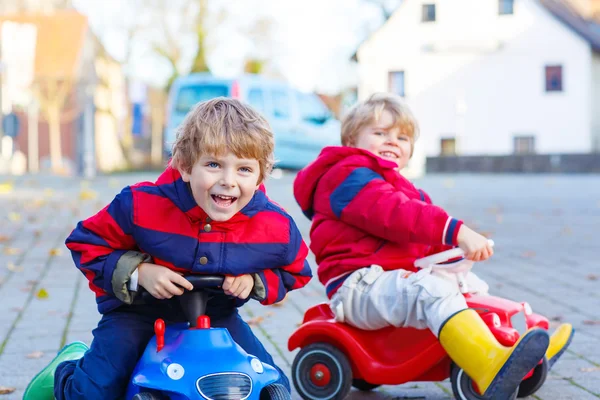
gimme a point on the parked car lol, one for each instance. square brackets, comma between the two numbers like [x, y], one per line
[301, 122]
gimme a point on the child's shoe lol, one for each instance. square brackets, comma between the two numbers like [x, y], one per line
[497, 370]
[559, 341]
[41, 386]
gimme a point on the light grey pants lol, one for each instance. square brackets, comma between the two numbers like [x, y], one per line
[371, 298]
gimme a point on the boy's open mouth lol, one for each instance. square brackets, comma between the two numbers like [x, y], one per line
[222, 200]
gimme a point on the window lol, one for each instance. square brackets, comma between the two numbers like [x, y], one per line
[189, 96]
[554, 81]
[506, 7]
[396, 82]
[523, 144]
[281, 104]
[311, 109]
[256, 98]
[428, 13]
[448, 146]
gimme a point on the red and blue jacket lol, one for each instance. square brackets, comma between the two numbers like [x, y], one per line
[364, 212]
[162, 220]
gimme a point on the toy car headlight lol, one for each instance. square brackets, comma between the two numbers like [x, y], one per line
[527, 309]
[175, 371]
[257, 366]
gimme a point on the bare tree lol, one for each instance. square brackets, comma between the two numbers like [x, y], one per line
[53, 95]
[387, 7]
[199, 64]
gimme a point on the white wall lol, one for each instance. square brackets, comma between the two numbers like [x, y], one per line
[596, 102]
[480, 76]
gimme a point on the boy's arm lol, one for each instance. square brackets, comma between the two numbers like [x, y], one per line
[438, 248]
[271, 285]
[103, 247]
[366, 201]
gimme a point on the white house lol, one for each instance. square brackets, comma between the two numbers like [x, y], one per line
[490, 77]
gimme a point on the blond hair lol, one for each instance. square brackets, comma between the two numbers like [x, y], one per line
[370, 111]
[220, 125]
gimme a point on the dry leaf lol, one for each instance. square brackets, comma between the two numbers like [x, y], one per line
[590, 369]
[592, 277]
[6, 187]
[87, 194]
[42, 294]
[37, 233]
[13, 216]
[11, 251]
[35, 354]
[557, 318]
[255, 321]
[591, 322]
[566, 231]
[6, 390]
[4, 238]
[55, 252]
[14, 268]
[281, 303]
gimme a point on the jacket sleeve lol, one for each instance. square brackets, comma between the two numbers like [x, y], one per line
[98, 242]
[363, 199]
[438, 248]
[273, 284]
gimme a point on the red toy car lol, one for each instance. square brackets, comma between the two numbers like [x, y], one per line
[336, 356]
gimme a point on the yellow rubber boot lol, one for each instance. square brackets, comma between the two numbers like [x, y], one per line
[497, 370]
[559, 341]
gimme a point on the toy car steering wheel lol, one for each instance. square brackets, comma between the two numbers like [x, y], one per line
[200, 283]
[443, 256]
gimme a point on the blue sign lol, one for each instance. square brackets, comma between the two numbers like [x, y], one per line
[137, 128]
[10, 125]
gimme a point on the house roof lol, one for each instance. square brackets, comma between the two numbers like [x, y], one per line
[60, 40]
[588, 29]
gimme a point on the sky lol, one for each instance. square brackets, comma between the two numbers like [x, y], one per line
[311, 41]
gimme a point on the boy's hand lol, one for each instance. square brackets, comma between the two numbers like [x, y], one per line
[475, 246]
[160, 281]
[238, 286]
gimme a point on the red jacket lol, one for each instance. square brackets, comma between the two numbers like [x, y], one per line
[364, 212]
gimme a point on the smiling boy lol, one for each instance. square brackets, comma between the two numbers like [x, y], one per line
[204, 215]
[369, 225]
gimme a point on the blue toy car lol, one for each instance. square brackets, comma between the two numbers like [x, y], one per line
[195, 361]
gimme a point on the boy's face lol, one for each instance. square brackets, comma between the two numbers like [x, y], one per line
[223, 185]
[388, 143]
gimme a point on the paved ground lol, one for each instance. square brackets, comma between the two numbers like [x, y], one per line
[545, 228]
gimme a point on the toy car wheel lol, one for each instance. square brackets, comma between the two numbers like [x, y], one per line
[532, 384]
[463, 388]
[275, 391]
[363, 385]
[321, 371]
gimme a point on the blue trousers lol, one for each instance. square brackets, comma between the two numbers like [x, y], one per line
[120, 340]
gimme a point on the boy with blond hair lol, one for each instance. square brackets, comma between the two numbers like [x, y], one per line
[369, 225]
[204, 215]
